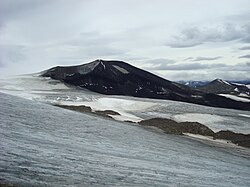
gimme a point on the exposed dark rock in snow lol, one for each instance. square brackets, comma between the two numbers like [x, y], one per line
[237, 138]
[172, 127]
[87, 109]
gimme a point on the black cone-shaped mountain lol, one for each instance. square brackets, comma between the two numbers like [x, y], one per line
[120, 78]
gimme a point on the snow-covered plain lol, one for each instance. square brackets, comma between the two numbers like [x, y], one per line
[131, 108]
[43, 145]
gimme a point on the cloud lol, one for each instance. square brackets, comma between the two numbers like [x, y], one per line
[1, 64]
[61, 32]
[96, 51]
[195, 66]
[11, 54]
[245, 48]
[240, 67]
[245, 56]
[191, 66]
[202, 58]
[158, 64]
[206, 75]
[12, 9]
[227, 72]
[168, 64]
[160, 61]
[187, 66]
[197, 35]
[90, 39]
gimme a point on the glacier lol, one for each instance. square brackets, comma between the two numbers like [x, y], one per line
[43, 145]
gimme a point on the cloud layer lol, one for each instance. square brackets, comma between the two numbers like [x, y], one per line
[202, 58]
[245, 56]
[197, 35]
[164, 36]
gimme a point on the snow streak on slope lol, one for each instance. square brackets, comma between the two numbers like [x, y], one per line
[235, 98]
[49, 146]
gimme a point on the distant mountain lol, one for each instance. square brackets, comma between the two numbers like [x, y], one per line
[244, 82]
[193, 84]
[219, 86]
[120, 78]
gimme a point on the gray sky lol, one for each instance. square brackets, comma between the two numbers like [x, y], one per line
[179, 40]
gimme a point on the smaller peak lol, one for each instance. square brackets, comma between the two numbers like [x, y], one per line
[99, 60]
[221, 81]
[218, 80]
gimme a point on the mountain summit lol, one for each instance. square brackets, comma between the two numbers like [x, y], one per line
[121, 78]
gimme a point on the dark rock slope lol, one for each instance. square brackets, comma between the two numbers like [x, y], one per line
[120, 78]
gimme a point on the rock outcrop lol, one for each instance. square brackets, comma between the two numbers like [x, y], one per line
[172, 127]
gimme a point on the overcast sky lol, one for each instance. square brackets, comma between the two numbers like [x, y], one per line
[179, 40]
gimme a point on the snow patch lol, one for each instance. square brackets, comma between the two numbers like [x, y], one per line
[123, 106]
[86, 68]
[244, 115]
[209, 138]
[236, 89]
[243, 95]
[206, 119]
[70, 75]
[120, 69]
[238, 84]
[103, 65]
[224, 82]
[236, 98]
[197, 117]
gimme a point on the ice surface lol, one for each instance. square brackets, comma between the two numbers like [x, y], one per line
[49, 146]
